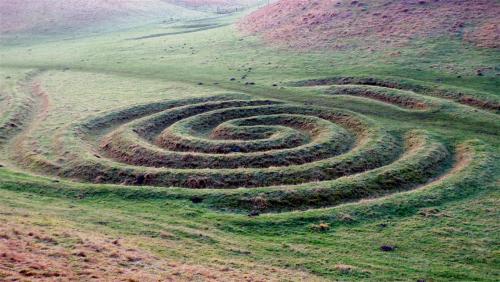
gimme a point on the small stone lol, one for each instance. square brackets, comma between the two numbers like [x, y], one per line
[196, 200]
[387, 248]
[254, 213]
[81, 254]
[139, 180]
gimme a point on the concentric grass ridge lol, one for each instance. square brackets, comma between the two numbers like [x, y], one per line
[313, 161]
[357, 86]
[281, 156]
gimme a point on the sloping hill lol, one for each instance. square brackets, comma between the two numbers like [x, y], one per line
[49, 16]
[220, 3]
[339, 24]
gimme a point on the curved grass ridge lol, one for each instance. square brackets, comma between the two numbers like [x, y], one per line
[30, 158]
[466, 97]
[474, 162]
[16, 108]
[283, 156]
[120, 146]
[401, 98]
[424, 159]
[374, 147]
[130, 149]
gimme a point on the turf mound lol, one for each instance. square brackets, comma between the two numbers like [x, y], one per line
[238, 152]
[229, 141]
[15, 111]
[16, 106]
[402, 92]
[373, 24]
[185, 144]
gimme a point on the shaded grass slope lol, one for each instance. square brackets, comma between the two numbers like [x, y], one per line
[52, 17]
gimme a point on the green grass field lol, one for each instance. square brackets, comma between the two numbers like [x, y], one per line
[338, 153]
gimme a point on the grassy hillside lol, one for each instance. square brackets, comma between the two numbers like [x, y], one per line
[55, 17]
[218, 5]
[374, 24]
[190, 151]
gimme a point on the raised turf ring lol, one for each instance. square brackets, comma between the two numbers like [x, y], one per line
[232, 141]
[237, 152]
